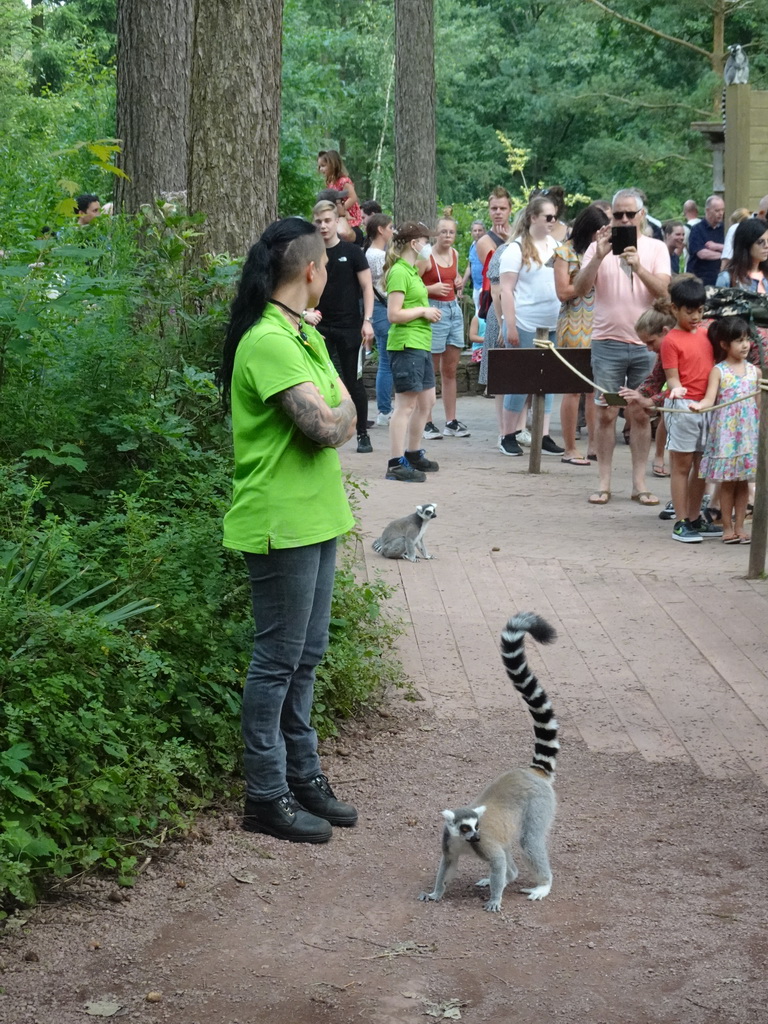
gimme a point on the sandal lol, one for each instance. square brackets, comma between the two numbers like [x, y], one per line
[658, 469]
[645, 498]
[732, 538]
[599, 498]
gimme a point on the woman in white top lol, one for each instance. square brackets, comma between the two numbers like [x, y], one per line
[379, 230]
[528, 296]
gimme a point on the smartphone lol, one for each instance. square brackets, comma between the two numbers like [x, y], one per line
[614, 399]
[623, 238]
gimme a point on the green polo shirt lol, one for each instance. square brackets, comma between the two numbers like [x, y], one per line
[418, 333]
[288, 491]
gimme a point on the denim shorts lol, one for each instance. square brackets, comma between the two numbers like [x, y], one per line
[686, 432]
[449, 329]
[617, 363]
[411, 369]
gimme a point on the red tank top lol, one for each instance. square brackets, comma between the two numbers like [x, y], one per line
[435, 274]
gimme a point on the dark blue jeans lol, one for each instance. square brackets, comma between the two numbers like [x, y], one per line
[291, 591]
[383, 373]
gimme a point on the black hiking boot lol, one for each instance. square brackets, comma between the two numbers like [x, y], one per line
[284, 819]
[317, 797]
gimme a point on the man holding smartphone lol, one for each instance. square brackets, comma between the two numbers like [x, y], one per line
[627, 274]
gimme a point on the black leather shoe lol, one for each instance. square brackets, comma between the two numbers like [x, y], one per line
[317, 797]
[284, 819]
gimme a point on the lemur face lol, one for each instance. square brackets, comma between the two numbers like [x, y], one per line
[427, 512]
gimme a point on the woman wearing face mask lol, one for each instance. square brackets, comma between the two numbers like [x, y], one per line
[528, 297]
[409, 345]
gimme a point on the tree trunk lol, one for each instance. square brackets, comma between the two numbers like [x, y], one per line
[154, 52]
[234, 154]
[415, 135]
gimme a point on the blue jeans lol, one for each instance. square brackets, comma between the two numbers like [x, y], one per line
[291, 591]
[515, 403]
[383, 373]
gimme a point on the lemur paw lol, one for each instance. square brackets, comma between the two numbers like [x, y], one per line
[483, 882]
[538, 892]
[428, 896]
[493, 905]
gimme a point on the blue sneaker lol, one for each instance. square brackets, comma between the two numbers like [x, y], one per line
[684, 531]
[706, 529]
[403, 470]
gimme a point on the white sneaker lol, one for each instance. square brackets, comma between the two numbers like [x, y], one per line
[431, 433]
[382, 420]
[455, 428]
[524, 438]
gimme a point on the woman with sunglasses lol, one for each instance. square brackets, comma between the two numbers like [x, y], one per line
[528, 297]
[748, 267]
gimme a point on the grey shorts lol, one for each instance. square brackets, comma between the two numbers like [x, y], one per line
[412, 370]
[616, 364]
[686, 432]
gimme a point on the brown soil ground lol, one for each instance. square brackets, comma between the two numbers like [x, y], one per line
[658, 908]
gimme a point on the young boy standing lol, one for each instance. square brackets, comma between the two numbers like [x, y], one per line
[687, 358]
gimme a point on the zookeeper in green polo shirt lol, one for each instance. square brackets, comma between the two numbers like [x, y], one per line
[290, 411]
[409, 346]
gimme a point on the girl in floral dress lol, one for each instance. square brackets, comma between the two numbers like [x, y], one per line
[730, 455]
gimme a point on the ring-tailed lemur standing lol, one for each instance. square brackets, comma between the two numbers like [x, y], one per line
[735, 72]
[404, 538]
[520, 804]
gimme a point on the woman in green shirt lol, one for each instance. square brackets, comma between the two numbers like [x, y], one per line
[409, 346]
[290, 411]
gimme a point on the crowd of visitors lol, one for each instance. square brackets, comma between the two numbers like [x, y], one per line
[314, 300]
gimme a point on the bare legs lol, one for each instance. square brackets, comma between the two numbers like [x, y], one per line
[686, 487]
[569, 415]
[411, 412]
[734, 495]
[445, 364]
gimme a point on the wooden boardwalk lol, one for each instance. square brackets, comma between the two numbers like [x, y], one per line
[662, 648]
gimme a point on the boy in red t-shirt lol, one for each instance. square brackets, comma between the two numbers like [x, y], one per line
[687, 358]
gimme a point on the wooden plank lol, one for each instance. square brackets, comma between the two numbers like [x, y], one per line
[476, 643]
[682, 684]
[736, 685]
[444, 675]
[580, 700]
[611, 679]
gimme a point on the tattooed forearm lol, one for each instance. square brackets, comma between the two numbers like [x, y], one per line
[315, 418]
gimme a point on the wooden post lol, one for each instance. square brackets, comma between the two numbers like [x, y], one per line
[537, 417]
[757, 551]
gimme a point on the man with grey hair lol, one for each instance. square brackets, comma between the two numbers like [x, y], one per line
[705, 242]
[625, 287]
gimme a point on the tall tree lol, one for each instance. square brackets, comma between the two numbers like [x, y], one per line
[415, 134]
[154, 54]
[234, 150]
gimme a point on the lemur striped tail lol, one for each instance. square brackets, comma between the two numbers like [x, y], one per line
[545, 726]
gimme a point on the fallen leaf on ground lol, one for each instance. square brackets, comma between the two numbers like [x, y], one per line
[243, 876]
[102, 1008]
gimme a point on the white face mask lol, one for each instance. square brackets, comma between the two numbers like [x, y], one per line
[425, 252]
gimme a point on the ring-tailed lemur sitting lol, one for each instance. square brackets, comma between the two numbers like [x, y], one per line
[404, 538]
[520, 804]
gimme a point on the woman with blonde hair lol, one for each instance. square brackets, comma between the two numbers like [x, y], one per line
[409, 346]
[528, 297]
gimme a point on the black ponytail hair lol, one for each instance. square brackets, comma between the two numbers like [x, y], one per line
[284, 249]
[723, 331]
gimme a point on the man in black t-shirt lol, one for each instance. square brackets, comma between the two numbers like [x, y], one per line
[346, 306]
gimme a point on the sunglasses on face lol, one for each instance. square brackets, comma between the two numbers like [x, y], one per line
[629, 214]
[550, 217]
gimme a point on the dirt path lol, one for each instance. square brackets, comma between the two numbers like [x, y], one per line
[658, 909]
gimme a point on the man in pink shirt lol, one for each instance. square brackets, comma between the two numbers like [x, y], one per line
[625, 287]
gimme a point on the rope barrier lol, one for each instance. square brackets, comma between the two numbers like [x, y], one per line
[546, 344]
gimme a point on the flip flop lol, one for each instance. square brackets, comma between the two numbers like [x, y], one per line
[577, 460]
[658, 470]
[732, 539]
[599, 498]
[743, 538]
[645, 498]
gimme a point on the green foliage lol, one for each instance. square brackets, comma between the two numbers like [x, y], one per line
[125, 626]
